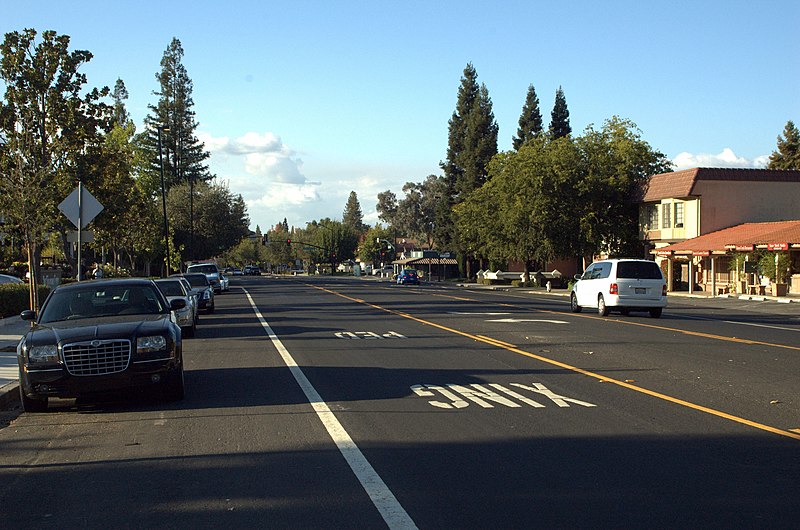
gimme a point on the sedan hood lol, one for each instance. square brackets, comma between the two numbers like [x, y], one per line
[98, 328]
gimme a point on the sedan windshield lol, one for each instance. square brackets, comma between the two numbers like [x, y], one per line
[94, 302]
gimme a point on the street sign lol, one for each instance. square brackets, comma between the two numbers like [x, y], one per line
[84, 212]
[87, 236]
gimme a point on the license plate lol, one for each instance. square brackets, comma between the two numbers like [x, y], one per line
[640, 290]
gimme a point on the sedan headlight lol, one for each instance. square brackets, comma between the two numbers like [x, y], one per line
[43, 354]
[148, 344]
[206, 295]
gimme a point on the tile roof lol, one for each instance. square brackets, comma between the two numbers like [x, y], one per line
[678, 184]
[743, 234]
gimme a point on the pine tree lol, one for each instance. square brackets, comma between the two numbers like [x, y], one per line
[530, 122]
[787, 156]
[352, 215]
[121, 115]
[559, 118]
[472, 142]
[185, 155]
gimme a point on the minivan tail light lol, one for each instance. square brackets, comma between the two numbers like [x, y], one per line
[613, 289]
[664, 290]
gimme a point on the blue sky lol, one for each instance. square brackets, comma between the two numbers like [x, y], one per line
[302, 102]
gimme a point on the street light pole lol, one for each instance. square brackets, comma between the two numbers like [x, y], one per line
[162, 128]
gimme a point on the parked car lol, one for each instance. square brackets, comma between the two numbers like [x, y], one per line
[237, 272]
[205, 293]
[383, 272]
[622, 285]
[5, 278]
[224, 283]
[408, 276]
[100, 336]
[174, 289]
[252, 270]
[212, 273]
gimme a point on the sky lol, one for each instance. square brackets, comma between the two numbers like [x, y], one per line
[301, 102]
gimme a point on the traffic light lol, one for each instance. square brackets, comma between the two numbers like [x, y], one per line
[288, 242]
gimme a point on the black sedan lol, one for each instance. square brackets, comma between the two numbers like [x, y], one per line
[98, 336]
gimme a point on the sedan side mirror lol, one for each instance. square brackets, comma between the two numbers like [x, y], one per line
[577, 276]
[28, 314]
[177, 303]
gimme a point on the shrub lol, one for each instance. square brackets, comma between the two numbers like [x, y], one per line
[14, 298]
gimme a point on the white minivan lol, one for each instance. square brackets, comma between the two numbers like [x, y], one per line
[622, 285]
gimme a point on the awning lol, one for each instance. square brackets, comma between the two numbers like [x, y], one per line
[782, 235]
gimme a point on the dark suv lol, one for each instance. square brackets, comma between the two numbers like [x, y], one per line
[205, 293]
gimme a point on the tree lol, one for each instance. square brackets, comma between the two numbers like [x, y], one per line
[387, 207]
[617, 162]
[49, 126]
[121, 116]
[472, 142]
[352, 215]
[787, 155]
[530, 121]
[416, 213]
[559, 118]
[185, 154]
[221, 219]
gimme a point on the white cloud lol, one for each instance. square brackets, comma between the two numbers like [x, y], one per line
[727, 158]
[263, 155]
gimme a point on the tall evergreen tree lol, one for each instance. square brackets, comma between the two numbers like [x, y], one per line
[352, 215]
[472, 142]
[121, 115]
[185, 155]
[559, 118]
[530, 122]
[787, 156]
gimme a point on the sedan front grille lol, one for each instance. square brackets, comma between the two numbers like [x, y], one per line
[97, 357]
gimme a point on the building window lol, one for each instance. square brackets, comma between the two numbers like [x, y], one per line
[666, 218]
[652, 217]
[678, 215]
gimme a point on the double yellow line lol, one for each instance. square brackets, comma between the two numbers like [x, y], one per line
[512, 348]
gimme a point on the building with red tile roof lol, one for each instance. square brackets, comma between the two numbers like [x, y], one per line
[692, 215]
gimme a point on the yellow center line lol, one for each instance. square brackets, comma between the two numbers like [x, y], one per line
[588, 373]
[640, 324]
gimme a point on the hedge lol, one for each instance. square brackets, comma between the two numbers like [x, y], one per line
[15, 298]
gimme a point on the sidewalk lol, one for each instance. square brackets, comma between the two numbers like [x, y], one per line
[11, 329]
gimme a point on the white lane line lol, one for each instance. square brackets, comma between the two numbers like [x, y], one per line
[384, 500]
[739, 323]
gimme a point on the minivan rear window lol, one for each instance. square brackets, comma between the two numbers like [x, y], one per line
[639, 270]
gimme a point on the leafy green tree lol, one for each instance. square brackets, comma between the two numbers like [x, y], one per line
[220, 218]
[373, 250]
[387, 207]
[524, 212]
[185, 156]
[559, 118]
[530, 122]
[787, 155]
[617, 162]
[417, 212]
[49, 125]
[352, 215]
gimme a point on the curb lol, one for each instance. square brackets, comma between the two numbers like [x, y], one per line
[9, 395]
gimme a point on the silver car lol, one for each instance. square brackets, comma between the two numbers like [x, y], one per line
[173, 289]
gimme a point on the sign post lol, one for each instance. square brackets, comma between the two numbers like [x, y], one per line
[80, 207]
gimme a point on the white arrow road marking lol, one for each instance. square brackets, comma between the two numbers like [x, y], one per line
[515, 320]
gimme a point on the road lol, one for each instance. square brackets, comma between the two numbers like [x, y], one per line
[317, 402]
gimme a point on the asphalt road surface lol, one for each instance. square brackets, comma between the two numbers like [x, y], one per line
[317, 402]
